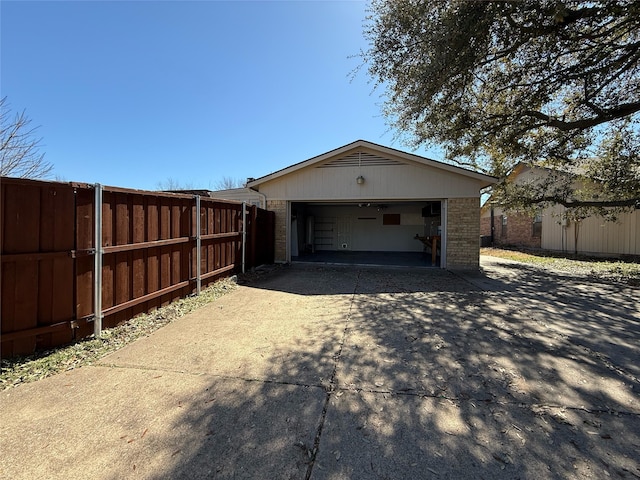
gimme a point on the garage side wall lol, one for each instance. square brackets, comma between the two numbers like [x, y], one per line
[463, 233]
[279, 207]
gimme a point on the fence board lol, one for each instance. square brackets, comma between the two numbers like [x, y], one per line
[62, 305]
[37, 280]
[26, 306]
[22, 214]
[7, 294]
[60, 204]
[149, 259]
[84, 234]
[153, 269]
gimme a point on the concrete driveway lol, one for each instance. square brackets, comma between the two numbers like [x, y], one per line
[319, 372]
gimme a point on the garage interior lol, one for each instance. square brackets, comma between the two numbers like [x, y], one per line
[367, 233]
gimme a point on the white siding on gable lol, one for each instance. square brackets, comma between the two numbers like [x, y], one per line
[389, 182]
[360, 159]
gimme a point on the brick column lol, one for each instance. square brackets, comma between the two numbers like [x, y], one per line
[279, 207]
[463, 233]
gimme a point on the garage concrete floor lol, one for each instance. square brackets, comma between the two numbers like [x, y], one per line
[396, 259]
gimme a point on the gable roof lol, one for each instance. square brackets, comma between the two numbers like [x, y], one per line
[522, 168]
[372, 159]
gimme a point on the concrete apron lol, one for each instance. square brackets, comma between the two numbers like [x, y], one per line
[343, 373]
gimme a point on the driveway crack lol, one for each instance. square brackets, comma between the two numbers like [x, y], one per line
[332, 383]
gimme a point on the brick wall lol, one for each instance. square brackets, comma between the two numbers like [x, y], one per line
[485, 226]
[279, 207]
[463, 233]
[517, 233]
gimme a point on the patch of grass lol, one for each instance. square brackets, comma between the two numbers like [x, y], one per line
[517, 256]
[608, 270]
[43, 364]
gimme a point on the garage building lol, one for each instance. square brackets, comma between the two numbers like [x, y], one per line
[366, 203]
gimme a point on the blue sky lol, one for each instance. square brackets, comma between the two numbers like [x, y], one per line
[131, 94]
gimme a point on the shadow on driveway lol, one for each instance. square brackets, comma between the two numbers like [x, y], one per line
[346, 373]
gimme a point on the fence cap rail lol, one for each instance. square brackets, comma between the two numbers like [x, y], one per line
[39, 183]
[210, 201]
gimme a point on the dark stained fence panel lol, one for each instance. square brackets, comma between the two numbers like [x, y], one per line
[38, 241]
[47, 242]
[262, 237]
[146, 240]
[84, 262]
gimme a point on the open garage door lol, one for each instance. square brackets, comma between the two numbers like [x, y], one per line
[384, 233]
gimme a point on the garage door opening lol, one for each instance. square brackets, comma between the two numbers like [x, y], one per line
[367, 233]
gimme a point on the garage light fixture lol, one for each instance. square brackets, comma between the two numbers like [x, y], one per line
[360, 179]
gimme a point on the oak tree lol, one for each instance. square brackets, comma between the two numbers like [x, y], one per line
[551, 83]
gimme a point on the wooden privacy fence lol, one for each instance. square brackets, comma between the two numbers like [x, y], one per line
[154, 248]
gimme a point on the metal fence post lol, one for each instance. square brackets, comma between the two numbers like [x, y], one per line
[244, 234]
[198, 247]
[97, 266]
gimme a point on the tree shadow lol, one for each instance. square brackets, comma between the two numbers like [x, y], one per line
[420, 374]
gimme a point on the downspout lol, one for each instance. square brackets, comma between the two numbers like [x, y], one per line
[444, 212]
[492, 225]
[244, 234]
[264, 197]
[287, 250]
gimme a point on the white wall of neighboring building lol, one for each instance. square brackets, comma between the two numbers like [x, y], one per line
[251, 197]
[595, 234]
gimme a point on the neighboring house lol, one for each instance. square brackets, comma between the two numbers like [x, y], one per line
[549, 231]
[247, 195]
[509, 229]
[365, 197]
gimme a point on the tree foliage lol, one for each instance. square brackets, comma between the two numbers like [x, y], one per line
[228, 183]
[225, 183]
[553, 83]
[172, 184]
[20, 154]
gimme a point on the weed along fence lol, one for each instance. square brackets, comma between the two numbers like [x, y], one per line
[152, 248]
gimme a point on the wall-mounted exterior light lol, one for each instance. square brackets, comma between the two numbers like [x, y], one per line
[360, 180]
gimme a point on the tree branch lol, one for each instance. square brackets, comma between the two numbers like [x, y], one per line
[632, 202]
[621, 111]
